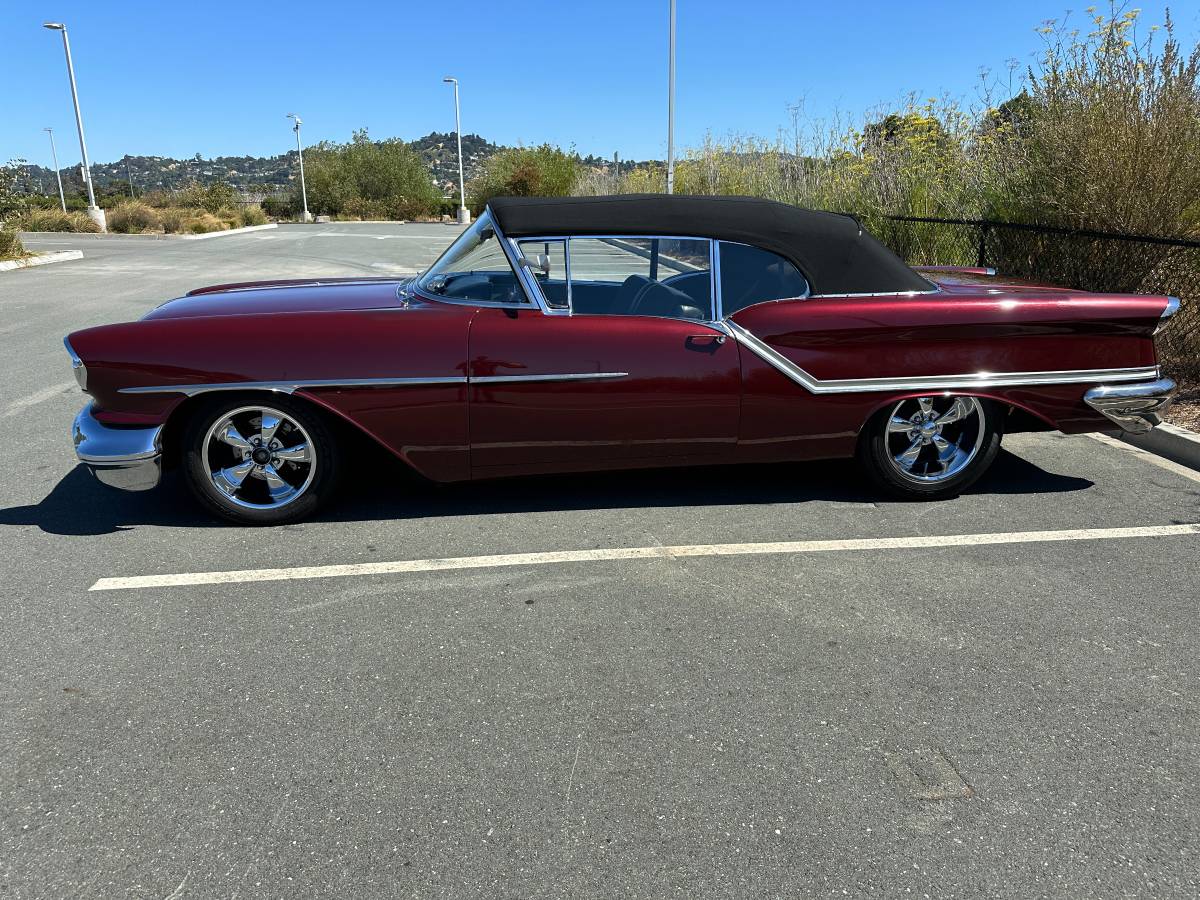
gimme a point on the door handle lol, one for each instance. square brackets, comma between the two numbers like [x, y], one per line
[715, 338]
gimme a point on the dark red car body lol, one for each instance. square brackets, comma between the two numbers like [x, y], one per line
[691, 393]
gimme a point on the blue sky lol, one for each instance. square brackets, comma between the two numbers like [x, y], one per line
[216, 78]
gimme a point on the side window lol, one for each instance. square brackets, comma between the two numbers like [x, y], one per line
[637, 276]
[547, 260]
[750, 275]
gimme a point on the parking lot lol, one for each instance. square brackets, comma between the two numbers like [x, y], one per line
[1010, 711]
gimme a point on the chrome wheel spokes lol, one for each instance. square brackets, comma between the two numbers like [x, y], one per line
[272, 467]
[931, 439]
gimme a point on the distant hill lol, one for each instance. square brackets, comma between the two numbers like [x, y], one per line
[255, 175]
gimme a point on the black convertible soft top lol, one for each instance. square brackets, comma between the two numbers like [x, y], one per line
[834, 251]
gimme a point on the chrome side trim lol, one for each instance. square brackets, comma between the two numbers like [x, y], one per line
[571, 376]
[288, 387]
[968, 381]
[1136, 408]
[934, 290]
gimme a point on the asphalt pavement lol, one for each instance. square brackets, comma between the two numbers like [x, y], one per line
[972, 720]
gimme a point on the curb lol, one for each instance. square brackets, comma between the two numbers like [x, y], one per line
[90, 236]
[1170, 442]
[42, 259]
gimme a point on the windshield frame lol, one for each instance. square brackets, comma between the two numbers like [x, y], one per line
[485, 220]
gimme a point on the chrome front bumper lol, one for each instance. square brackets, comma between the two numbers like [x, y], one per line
[125, 458]
[1136, 408]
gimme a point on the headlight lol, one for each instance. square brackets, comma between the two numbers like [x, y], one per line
[77, 366]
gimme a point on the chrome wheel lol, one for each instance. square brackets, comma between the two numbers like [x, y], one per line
[259, 458]
[932, 439]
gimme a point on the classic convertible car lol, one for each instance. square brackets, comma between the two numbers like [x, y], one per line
[579, 334]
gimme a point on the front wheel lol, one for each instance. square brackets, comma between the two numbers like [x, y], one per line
[260, 463]
[930, 448]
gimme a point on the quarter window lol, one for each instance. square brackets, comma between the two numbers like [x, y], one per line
[750, 275]
[639, 276]
[547, 260]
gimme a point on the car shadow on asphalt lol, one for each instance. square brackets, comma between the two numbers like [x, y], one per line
[79, 505]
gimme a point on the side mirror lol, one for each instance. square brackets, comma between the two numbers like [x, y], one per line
[540, 262]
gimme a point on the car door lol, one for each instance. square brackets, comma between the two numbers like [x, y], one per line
[617, 367]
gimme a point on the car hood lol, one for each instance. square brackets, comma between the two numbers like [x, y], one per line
[249, 298]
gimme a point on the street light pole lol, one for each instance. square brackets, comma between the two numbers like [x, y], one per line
[300, 153]
[671, 106]
[94, 211]
[62, 198]
[464, 214]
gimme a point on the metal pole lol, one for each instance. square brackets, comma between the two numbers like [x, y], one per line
[129, 175]
[464, 215]
[671, 107]
[300, 153]
[93, 209]
[62, 198]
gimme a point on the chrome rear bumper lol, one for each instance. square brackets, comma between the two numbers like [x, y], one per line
[1136, 408]
[126, 458]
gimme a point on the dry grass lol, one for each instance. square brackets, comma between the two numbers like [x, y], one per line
[10, 245]
[56, 220]
[133, 217]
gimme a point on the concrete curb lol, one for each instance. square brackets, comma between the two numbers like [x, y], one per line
[1170, 442]
[42, 259]
[87, 235]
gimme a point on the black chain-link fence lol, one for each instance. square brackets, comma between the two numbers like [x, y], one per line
[1090, 260]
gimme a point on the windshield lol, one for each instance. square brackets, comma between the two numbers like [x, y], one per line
[474, 268]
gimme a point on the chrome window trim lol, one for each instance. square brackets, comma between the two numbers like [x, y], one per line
[490, 304]
[934, 290]
[968, 381]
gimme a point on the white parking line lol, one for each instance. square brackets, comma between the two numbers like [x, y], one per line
[1146, 456]
[37, 397]
[574, 556]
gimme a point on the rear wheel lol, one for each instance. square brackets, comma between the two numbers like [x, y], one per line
[930, 448]
[260, 463]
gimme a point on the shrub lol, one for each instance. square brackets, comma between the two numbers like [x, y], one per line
[203, 222]
[133, 217]
[388, 178]
[175, 219]
[543, 171]
[211, 198]
[230, 217]
[57, 220]
[252, 215]
[10, 245]
[278, 207]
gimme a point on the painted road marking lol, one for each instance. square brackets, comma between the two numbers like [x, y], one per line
[1146, 456]
[37, 397]
[405, 566]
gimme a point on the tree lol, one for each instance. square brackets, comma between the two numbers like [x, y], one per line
[543, 171]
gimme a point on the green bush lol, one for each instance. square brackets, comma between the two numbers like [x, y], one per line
[543, 171]
[385, 179]
[211, 198]
[57, 220]
[252, 215]
[10, 245]
[133, 217]
[278, 207]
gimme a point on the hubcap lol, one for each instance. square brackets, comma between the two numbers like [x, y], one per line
[932, 439]
[259, 458]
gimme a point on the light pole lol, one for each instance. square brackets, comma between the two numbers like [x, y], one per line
[300, 153]
[62, 198]
[671, 106]
[464, 214]
[93, 211]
